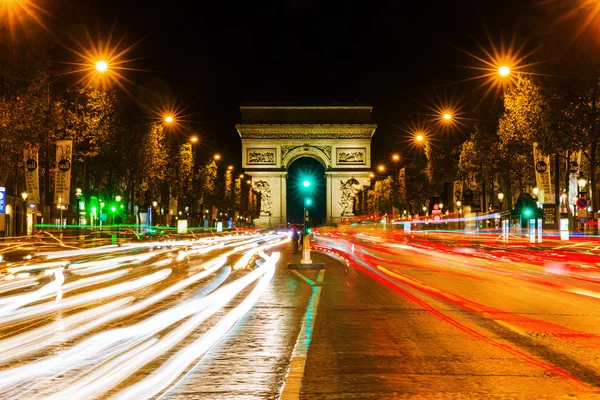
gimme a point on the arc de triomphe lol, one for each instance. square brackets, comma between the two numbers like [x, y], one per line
[339, 137]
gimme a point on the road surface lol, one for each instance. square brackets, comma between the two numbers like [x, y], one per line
[390, 316]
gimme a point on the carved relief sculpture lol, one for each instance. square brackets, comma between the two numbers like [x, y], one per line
[261, 156]
[265, 196]
[351, 156]
[348, 190]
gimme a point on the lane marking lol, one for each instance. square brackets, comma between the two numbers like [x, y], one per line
[304, 278]
[293, 381]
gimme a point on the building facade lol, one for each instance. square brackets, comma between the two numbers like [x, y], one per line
[339, 137]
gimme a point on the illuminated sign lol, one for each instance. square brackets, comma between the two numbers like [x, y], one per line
[2, 200]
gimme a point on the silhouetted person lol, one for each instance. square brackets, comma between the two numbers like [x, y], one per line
[295, 239]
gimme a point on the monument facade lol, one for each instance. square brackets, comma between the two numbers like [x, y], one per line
[339, 137]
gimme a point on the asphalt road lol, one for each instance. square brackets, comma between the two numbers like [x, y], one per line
[414, 318]
[390, 316]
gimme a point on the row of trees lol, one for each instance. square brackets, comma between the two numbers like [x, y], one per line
[116, 151]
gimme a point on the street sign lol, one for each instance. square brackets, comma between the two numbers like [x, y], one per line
[473, 185]
[581, 202]
[2, 200]
[437, 217]
[144, 186]
[549, 215]
[581, 213]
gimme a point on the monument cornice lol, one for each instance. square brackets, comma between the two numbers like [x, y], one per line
[306, 131]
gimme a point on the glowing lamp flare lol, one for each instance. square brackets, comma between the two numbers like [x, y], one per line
[504, 70]
[101, 66]
[169, 119]
[447, 117]
[420, 138]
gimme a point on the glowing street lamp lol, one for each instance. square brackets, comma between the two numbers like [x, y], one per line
[420, 138]
[241, 176]
[581, 182]
[248, 181]
[101, 66]
[371, 175]
[230, 168]
[118, 198]
[194, 139]
[504, 70]
[396, 157]
[169, 119]
[217, 157]
[447, 117]
[381, 168]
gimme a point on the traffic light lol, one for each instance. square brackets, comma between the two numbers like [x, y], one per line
[308, 202]
[527, 212]
[306, 183]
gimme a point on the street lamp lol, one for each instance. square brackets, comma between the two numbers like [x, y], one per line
[24, 197]
[217, 157]
[396, 157]
[501, 199]
[194, 139]
[230, 168]
[169, 119]
[381, 168]
[241, 176]
[371, 175]
[248, 182]
[581, 182]
[101, 66]
[447, 117]
[504, 70]
[419, 138]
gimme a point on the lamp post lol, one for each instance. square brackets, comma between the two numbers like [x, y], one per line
[501, 200]
[395, 182]
[78, 197]
[24, 198]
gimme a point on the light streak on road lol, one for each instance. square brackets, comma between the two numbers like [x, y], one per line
[121, 314]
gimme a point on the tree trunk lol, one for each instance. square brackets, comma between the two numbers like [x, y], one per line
[593, 190]
[557, 190]
[567, 177]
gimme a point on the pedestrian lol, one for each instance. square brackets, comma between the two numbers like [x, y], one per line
[295, 239]
[301, 239]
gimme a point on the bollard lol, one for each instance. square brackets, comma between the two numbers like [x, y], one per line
[306, 250]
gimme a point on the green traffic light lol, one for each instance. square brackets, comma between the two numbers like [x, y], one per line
[113, 208]
[527, 212]
[306, 183]
[308, 202]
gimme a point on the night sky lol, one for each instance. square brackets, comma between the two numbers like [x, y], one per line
[210, 57]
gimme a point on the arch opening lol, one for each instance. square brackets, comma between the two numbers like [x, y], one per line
[301, 171]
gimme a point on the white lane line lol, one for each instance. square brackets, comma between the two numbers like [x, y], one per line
[293, 382]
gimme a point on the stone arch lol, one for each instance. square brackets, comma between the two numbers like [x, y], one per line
[306, 151]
